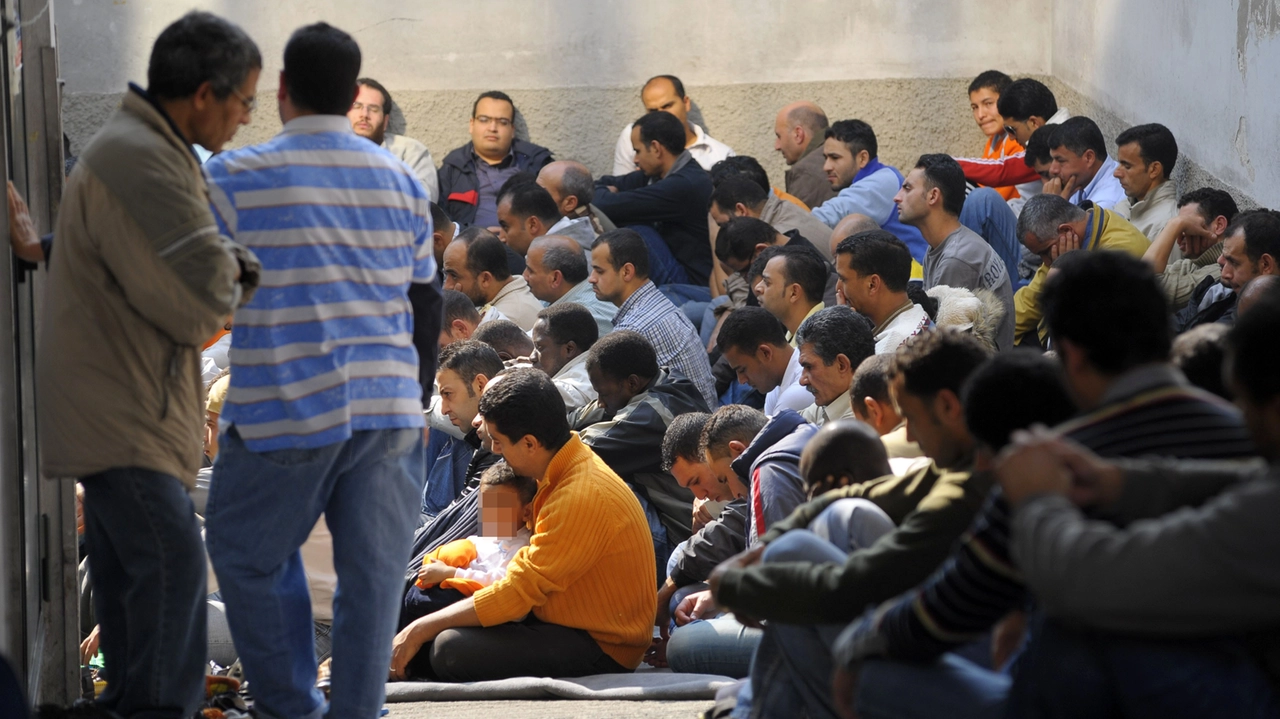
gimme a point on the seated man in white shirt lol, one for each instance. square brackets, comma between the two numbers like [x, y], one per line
[370, 116]
[874, 268]
[1082, 168]
[475, 264]
[527, 211]
[665, 93]
[561, 337]
[754, 343]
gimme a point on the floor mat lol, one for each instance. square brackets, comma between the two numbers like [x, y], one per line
[640, 686]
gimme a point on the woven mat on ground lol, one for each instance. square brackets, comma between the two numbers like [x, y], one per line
[640, 686]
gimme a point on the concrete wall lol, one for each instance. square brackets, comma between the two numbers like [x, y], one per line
[575, 68]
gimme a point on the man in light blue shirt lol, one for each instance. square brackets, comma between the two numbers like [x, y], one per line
[1081, 165]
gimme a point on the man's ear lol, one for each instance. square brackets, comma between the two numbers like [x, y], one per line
[1089, 156]
[571, 349]
[740, 210]
[1155, 169]
[862, 159]
[282, 93]
[765, 352]
[736, 448]
[627, 272]
[873, 283]
[843, 364]
[760, 247]
[1219, 225]
[459, 328]
[1267, 265]
[874, 410]
[947, 405]
[386, 120]
[485, 278]
[479, 383]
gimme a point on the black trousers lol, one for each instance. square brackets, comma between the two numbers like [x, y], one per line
[530, 648]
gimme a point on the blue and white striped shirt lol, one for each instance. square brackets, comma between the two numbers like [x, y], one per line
[342, 228]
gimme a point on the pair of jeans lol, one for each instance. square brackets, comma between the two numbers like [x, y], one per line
[720, 645]
[988, 214]
[146, 562]
[262, 506]
[951, 686]
[530, 648]
[664, 268]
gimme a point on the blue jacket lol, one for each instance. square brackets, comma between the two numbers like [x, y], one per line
[871, 194]
[771, 464]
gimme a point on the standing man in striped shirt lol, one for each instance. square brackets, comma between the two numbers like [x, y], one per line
[324, 413]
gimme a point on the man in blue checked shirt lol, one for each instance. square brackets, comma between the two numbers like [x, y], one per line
[324, 413]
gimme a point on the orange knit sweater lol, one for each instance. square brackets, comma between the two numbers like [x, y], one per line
[590, 563]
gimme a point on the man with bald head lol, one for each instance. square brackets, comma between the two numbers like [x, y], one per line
[665, 93]
[798, 130]
[1260, 287]
[571, 184]
[557, 270]
[849, 226]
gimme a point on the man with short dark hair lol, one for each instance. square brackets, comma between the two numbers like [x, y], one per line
[323, 370]
[866, 186]
[791, 287]
[1026, 106]
[1050, 226]
[1145, 156]
[740, 242]
[739, 196]
[1081, 168]
[557, 273]
[620, 275]
[874, 268]
[931, 200]
[142, 279]
[1196, 229]
[755, 345]
[799, 130]
[665, 93]
[1250, 249]
[562, 336]
[580, 601]
[571, 186]
[506, 338]
[475, 264]
[471, 175]
[466, 367]
[831, 345]
[665, 200]
[460, 318]
[526, 212]
[370, 116]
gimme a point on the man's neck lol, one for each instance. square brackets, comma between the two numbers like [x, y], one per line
[886, 309]
[628, 290]
[796, 315]
[780, 361]
[1150, 191]
[1084, 182]
[498, 285]
[936, 227]
[491, 160]
[690, 136]
[667, 164]
[179, 112]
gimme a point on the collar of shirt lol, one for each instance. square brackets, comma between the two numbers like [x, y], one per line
[889, 320]
[637, 300]
[318, 123]
[684, 159]
[137, 90]
[1142, 379]
[1107, 170]
[1165, 191]
[839, 408]
[513, 285]
[578, 293]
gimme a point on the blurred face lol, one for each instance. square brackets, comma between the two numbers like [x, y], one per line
[493, 128]
[839, 163]
[458, 277]
[660, 96]
[458, 400]
[547, 355]
[606, 281]
[787, 140]
[1136, 177]
[648, 159]
[502, 514]
[772, 288]
[513, 229]
[215, 121]
[913, 198]
[541, 282]
[752, 370]
[367, 116]
[1067, 164]
[825, 381]
[983, 103]
[614, 393]
[1237, 269]
[698, 478]
[856, 289]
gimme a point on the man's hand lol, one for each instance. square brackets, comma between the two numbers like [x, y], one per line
[701, 515]
[741, 560]
[611, 188]
[1068, 189]
[844, 691]
[1068, 241]
[656, 655]
[662, 619]
[699, 605]
[1052, 186]
[434, 572]
[22, 230]
[1007, 637]
[408, 643]
[1039, 462]
[89, 647]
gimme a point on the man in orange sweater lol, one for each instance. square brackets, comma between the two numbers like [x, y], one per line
[579, 600]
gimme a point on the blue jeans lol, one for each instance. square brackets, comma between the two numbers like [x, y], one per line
[721, 645]
[147, 565]
[664, 268]
[986, 213]
[951, 686]
[261, 508]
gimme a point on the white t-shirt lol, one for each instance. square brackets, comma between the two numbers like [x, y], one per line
[790, 394]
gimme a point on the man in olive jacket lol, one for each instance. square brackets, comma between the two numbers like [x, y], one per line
[141, 280]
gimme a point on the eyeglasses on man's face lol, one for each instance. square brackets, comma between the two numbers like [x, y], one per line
[486, 120]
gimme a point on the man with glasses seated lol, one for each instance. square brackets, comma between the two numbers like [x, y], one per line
[472, 174]
[370, 116]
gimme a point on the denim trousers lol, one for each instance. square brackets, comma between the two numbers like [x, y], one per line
[951, 686]
[147, 566]
[262, 506]
[986, 213]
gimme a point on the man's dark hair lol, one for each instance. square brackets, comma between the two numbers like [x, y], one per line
[571, 264]
[664, 128]
[756, 270]
[1111, 306]
[1252, 348]
[458, 306]
[524, 403]
[626, 247]
[1039, 149]
[321, 64]
[683, 437]
[502, 475]
[740, 165]
[843, 452]
[468, 359]
[386, 96]
[675, 83]
[1026, 98]
[857, 134]
[519, 178]
[1034, 379]
[485, 252]
[201, 47]
[1155, 144]
[993, 80]
[739, 189]
[576, 181]
[871, 379]
[506, 337]
[933, 361]
[944, 173]
[623, 353]
[730, 423]
[1213, 203]
[1079, 134]
[1261, 233]
[1042, 215]
[439, 218]
[1199, 353]
[570, 322]
[838, 331]
[803, 267]
[739, 236]
[746, 328]
[529, 199]
[494, 95]
[878, 252]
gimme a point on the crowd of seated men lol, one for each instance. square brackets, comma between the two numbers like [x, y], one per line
[978, 437]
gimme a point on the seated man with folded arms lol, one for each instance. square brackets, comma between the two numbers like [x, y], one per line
[798, 130]
[561, 338]
[580, 599]
[1196, 230]
[754, 343]
[557, 273]
[475, 264]
[506, 338]
[740, 196]
[874, 268]
[370, 117]
[465, 368]
[665, 93]
[571, 186]
[872, 404]
[1145, 156]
